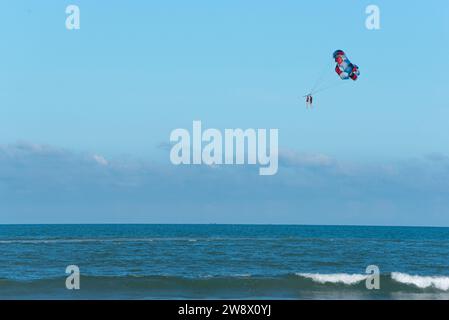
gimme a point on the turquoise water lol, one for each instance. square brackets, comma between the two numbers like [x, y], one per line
[223, 261]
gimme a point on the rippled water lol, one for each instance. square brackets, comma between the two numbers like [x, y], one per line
[223, 261]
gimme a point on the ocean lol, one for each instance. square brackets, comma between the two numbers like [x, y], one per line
[223, 262]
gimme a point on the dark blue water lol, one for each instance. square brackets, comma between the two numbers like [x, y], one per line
[223, 261]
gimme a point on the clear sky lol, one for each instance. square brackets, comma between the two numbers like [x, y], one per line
[136, 70]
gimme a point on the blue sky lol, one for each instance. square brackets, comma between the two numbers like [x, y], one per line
[372, 152]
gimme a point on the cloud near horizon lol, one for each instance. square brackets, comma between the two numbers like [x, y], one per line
[45, 184]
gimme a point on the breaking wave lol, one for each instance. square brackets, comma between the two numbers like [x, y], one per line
[422, 282]
[343, 278]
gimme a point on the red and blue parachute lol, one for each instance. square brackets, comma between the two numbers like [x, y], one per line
[345, 69]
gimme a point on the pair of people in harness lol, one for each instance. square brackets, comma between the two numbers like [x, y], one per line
[309, 101]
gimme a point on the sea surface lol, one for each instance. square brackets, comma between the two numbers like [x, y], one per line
[223, 262]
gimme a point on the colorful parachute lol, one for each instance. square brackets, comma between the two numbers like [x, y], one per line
[344, 68]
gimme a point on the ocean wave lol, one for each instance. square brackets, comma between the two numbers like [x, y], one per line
[422, 282]
[344, 278]
[236, 286]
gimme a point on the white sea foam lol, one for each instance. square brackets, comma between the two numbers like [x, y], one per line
[441, 283]
[344, 278]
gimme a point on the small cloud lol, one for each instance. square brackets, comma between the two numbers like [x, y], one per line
[100, 160]
[290, 158]
[24, 148]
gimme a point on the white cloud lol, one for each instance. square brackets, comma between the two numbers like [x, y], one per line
[100, 160]
[24, 148]
[290, 158]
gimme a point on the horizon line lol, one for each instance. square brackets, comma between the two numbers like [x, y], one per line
[225, 224]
